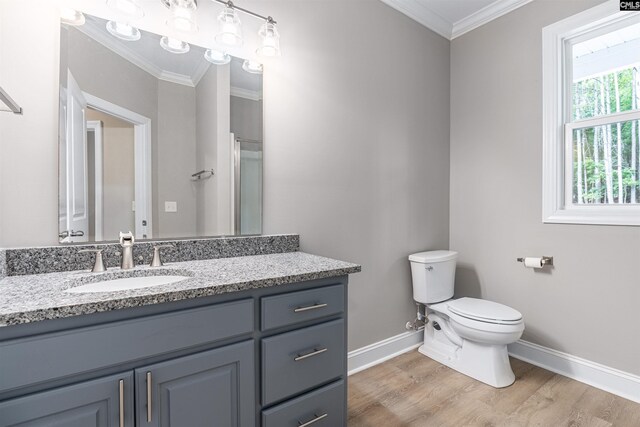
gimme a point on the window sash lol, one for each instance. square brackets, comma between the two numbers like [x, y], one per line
[557, 96]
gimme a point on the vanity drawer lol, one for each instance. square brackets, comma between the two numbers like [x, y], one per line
[295, 307]
[324, 407]
[42, 358]
[300, 360]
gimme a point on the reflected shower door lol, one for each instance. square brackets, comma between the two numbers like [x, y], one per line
[248, 186]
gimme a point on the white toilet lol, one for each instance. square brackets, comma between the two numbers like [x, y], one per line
[469, 335]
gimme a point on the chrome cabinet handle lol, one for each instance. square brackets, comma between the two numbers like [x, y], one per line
[309, 307]
[148, 397]
[315, 420]
[315, 352]
[78, 233]
[121, 403]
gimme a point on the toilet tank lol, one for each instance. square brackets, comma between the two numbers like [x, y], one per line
[433, 275]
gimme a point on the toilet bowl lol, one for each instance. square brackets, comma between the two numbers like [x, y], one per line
[469, 335]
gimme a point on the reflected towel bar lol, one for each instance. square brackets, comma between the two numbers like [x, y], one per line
[203, 174]
[15, 108]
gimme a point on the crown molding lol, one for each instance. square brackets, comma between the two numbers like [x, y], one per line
[484, 15]
[246, 93]
[111, 43]
[423, 15]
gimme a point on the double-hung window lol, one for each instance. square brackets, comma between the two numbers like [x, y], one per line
[591, 118]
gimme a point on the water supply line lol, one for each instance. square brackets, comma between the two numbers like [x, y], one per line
[420, 319]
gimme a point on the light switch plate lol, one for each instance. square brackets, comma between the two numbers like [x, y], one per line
[171, 206]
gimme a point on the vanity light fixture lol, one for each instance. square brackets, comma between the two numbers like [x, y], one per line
[129, 8]
[71, 16]
[252, 67]
[173, 45]
[183, 15]
[230, 27]
[217, 57]
[270, 39]
[123, 31]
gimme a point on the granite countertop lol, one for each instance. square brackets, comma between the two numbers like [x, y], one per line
[32, 298]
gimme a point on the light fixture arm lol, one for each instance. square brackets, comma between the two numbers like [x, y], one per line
[230, 4]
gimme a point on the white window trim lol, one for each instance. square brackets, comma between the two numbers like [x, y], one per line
[556, 208]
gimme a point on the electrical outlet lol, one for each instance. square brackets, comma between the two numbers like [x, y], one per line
[171, 206]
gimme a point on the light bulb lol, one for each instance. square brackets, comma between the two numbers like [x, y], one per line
[216, 57]
[252, 67]
[71, 16]
[230, 28]
[174, 45]
[183, 16]
[270, 39]
[123, 31]
[130, 8]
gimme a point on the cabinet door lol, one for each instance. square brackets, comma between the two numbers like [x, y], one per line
[105, 402]
[213, 388]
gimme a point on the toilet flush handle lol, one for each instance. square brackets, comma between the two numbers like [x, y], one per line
[430, 268]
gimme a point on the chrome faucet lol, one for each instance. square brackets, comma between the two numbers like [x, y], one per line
[126, 241]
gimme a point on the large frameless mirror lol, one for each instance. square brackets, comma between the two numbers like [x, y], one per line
[162, 143]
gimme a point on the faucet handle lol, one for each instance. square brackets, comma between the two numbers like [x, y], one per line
[98, 265]
[156, 261]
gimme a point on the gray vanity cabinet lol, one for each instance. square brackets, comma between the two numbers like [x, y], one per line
[104, 402]
[272, 357]
[212, 388]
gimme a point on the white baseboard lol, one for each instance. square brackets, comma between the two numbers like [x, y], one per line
[373, 354]
[603, 377]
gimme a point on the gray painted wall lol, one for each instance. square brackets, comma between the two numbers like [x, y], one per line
[176, 159]
[588, 304]
[357, 148]
[246, 118]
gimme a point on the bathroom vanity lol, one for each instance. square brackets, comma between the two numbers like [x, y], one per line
[243, 341]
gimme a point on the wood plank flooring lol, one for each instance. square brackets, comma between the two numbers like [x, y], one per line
[413, 390]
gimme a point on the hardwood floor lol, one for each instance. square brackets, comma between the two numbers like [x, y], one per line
[413, 390]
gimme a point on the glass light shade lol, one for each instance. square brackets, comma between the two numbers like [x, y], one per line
[183, 16]
[130, 8]
[123, 31]
[270, 40]
[230, 28]
[216, 57]
[71, 16]
[174, 45]
[252, 67]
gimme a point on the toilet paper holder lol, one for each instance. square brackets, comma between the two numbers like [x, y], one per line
[546, 260]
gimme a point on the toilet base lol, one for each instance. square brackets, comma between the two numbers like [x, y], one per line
[486, 363]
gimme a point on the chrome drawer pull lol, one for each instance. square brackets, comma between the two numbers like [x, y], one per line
[121, 402]
[148, 397]
[313, 353]
[310, 307]
[315, 420]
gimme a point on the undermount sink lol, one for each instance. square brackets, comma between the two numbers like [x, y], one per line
[126, 284]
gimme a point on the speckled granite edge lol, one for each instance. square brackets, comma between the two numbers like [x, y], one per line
[3, 263]
[40, 260]
[117, 304]
[32, 298]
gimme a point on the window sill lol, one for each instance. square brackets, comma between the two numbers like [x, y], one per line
[605, 215]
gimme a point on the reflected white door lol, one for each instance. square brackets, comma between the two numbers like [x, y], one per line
[76, 165]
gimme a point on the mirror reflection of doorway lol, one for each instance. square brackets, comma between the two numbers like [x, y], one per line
[248, 186]
[111, 175]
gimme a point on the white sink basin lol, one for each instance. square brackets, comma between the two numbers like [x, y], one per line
[126, 284]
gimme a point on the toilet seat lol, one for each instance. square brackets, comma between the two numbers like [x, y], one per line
[484, 311]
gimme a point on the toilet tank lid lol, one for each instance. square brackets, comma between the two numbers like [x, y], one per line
[433, 256]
